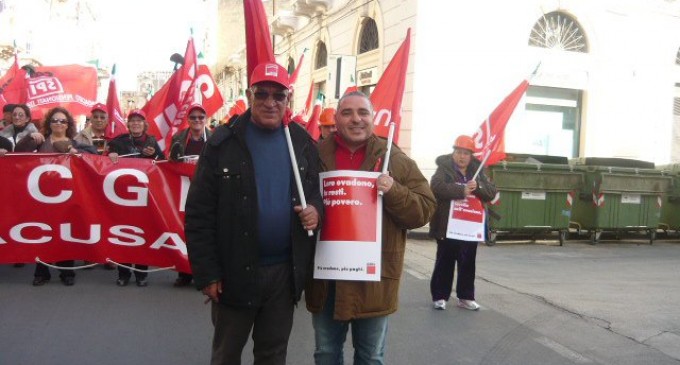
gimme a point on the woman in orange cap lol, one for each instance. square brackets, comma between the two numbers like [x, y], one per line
[453, 180]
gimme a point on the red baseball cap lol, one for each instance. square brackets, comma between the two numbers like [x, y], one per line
[272, 72]
[138, 112]
[196, 106]
[99, 106]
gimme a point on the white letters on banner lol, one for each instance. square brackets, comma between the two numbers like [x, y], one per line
[34, 184]
[466, 220]
[142, 193]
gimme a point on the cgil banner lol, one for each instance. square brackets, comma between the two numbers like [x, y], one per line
[466, 220]
[84, 207]
[351, 250]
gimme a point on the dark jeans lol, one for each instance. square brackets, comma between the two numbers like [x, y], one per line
[271, 322]
[44, 271]
[125, 273]
[448, 253]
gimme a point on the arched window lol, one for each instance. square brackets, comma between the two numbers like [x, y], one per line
[321, 56]
[368, 40]
[291, 65]
[559, 31]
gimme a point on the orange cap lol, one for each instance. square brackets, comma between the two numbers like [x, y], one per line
[327, 117]
[464, 142]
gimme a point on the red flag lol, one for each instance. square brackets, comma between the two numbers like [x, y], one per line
[295, 74]
[116, 120]
[258, 40]
[167, 108]
[240, 106]
[389, 92]
[7, 80]
[489, 137]
[207, 92]
[313, 123]
[300, 116]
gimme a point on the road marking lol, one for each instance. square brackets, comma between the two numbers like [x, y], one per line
[564, 351]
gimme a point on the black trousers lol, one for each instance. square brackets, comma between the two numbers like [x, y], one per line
[125, 273]
[44, 271]
[270, 323]
[448, 253]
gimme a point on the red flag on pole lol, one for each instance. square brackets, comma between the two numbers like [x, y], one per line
[167, 108]
[295, 74]
[116, 120]
[389, 92]
[258, 39]
[489, 137]
[7, 80]
[313, 123]
[207, 92]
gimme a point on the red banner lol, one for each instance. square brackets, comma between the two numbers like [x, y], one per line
[62, 207]
[207, 92]
[389, 92]
[6, 81]
[489, 137]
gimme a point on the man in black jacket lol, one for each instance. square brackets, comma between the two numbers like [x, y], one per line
[246, 230]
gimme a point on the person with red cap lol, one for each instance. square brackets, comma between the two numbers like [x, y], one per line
[187, 144]
[327, 122]
[136, 144]
[245, 228]
[94, 134]
[453, 180]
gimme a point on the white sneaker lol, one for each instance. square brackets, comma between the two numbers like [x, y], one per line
[440, 304]
[468, 304]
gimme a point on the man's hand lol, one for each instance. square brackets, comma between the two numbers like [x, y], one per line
[148, 151]
[38, 137]
[308, 216]
[470, 187]
[213, 291]
[385, 182]
[114, 157]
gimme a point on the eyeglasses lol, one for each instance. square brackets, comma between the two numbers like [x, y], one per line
[196, 117]
[19, 115]
[59, 121]
[279, 97]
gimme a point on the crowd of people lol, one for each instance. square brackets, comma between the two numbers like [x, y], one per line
[247, 229]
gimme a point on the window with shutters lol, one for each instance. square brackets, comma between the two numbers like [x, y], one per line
[321, 59]
[369, 39]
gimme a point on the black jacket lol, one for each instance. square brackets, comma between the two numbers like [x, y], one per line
[222, 211]
[179, 143]
[125, 145]
[445, 186]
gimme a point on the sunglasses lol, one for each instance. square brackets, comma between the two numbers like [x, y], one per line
[59, 121]
[279, 97]
[196, 117]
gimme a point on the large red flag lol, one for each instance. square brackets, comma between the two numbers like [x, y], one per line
[489, 137]
[116, 121]
[207, 92]
[167, 108]
[389, 92]
[258, 40]
[296, 72]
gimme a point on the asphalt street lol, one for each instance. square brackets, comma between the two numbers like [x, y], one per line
[612, 303]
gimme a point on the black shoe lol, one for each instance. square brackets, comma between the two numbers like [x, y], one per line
[142, 282]
[40, 281]
[122, 281]
[182, 282]
[19, 265]
[68, 280]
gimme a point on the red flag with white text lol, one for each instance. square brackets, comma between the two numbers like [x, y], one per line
[489, 137]
[116, 125]
[389, 92]
[167, 108]
[207, 92]
[258, 39]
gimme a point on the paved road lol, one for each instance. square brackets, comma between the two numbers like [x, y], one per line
[541, 304]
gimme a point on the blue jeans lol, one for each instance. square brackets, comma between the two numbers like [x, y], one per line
[368, 336]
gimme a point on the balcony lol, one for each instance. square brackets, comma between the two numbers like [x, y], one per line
[287, 23]
[311, 8]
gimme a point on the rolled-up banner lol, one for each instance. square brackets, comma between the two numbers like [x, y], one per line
[84, 207]
[350, 241]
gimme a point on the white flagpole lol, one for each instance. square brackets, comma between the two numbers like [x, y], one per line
[390, 138]
[296, 172]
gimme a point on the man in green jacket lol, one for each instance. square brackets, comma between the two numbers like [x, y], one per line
[408, 203]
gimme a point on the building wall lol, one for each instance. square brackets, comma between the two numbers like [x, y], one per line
[469, 57]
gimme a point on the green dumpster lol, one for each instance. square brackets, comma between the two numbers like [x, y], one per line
[619, 199]
[670, 209]
[532, 198]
